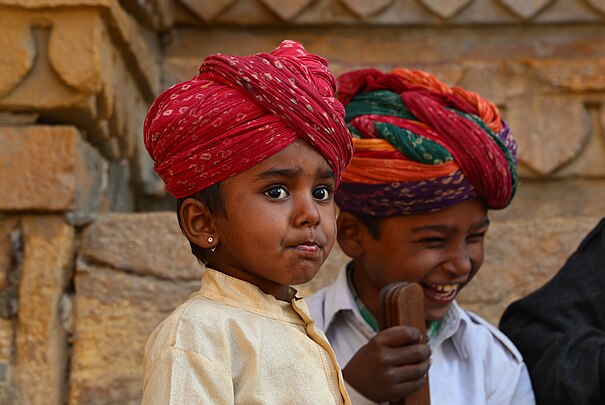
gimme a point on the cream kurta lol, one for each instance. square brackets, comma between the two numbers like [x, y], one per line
[231, 343]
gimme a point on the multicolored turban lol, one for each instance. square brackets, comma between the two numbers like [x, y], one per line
[421, 146]
[238, 111]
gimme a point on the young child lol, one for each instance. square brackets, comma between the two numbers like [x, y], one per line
[429, 161]
[253, 149]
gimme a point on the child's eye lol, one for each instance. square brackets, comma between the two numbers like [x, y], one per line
[476, 237]
[323, 193]
[276, 192]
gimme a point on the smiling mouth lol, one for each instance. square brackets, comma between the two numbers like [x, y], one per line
[441, 293]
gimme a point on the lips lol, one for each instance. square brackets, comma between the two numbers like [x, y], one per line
[441, 294]
[308, 247]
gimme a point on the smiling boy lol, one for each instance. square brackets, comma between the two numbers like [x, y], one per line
[429, 162]
[253, 149]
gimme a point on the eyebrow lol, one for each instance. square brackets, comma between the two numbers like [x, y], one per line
[273, 173]
[448, 228]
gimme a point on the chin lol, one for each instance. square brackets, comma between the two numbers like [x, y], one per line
[436, 314]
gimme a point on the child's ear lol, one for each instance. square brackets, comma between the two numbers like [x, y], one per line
[349, 234]
[198, 223]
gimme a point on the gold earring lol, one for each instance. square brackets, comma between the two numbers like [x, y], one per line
[210, 240]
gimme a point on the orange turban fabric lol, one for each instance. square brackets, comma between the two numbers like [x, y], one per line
[238, 111]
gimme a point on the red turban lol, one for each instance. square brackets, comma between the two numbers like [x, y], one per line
[238, 111]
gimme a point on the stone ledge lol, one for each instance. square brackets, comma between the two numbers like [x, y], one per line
[49, 168]
[389, 12]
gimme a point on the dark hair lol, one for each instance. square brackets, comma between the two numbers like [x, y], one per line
[212, 197]
[371, 222]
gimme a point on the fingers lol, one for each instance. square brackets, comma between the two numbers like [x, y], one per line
[399, 336]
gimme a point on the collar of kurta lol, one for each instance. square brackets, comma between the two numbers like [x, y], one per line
[241, 294]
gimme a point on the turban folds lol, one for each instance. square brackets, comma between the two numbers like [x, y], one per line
[421, 146]
[238, 111]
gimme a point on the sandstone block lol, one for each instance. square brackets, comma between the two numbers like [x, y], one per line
[10, 265]
[7, 332]
[115, 312]
[145, 244]
[41, 345]
[520, 256]
[554, 199]
[538, 121]
[576, 75]
[49, 168]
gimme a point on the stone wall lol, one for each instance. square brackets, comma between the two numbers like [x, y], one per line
[87, 271]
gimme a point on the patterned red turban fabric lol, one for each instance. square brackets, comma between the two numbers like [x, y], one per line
[238, 111]
[421, 146]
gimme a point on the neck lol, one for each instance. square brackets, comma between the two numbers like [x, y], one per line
[369, 294]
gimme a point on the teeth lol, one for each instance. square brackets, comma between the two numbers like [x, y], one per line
[444, 288]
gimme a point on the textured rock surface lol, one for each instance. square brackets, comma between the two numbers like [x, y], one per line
[133, 270]
[49, 168]
[41, 347]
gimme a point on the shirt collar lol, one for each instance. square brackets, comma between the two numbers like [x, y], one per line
[338, 298]
[453, 325]
[241, 294]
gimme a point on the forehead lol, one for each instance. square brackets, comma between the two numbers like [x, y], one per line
[299, 157]
[298, 161]
[461, 216]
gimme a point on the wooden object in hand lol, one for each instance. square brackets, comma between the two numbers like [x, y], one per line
[403, 304]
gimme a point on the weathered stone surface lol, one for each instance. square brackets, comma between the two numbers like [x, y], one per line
[526, 8]
[598, 5]
[286, 9]
[115, 312]
[155, 14]
[453, 12]
[18, 54]
[555, 199]
[7, 332]
[537, 121]
[48, 168]
[499, 82]
[147, 244]
[138, 50]
[366, 8]
[41, 345]
[37, 166]
[446, 8]
[10, 265]
[396, 46]
[520, 256]
[575, 75]
[208, 10]
[42, 87]
[591, 162]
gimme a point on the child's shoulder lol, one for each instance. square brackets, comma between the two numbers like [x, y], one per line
[492, 337]
[195, 319]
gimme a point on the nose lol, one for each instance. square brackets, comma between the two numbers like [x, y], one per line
[459, 262]
[306, 212]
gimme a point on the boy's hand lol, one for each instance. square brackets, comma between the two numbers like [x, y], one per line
[393, 364]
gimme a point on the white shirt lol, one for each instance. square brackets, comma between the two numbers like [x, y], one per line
[473, 363]
[230, 343]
